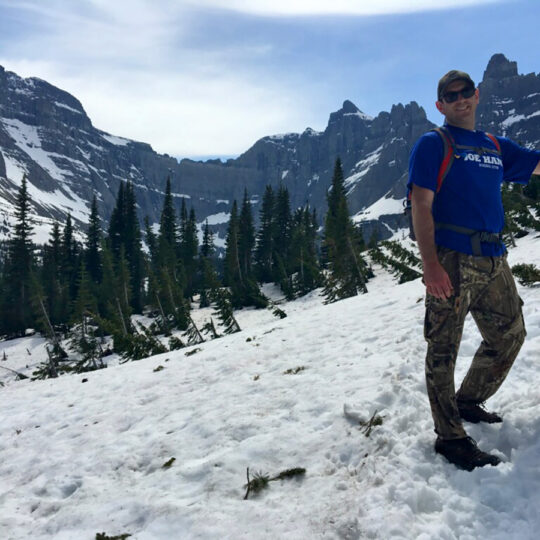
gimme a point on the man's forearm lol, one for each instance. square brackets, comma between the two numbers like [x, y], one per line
[424, 229]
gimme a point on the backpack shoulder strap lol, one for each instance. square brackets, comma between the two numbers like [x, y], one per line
[449, 150]
[495, 141]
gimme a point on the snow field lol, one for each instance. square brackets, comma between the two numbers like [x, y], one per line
[79, 458]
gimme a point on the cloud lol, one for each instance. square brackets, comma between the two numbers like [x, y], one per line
[182, 114]
[191, 80]
[336, 7]
[142, 72]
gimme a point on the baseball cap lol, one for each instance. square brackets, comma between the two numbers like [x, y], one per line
[449, 78]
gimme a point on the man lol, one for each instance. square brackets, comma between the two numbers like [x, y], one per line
[457, 226]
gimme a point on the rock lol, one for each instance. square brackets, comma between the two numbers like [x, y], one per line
[46, 131]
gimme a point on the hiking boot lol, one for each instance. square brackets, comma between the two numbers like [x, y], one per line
[475, 412]
[464, 453]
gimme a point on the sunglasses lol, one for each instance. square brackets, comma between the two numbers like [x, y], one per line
[466, 93]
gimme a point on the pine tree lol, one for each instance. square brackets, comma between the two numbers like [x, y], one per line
[114, 294]
[133, 250]
[86, 302]
[56, 296]
[69, 264]
[400, 261]
[125, 234]
[93, 244]
[123, 285]
[162, 319]
[233, 270]
[16, 309]
[183, 226]
[168, 240]
[224, 310]
[244, 290]
[207, 248]
[209, 328]
[172, 300]
[282, 234]
[207, 274]
[193, 334]
[246, 237]
[189, 248]
[44, 323]
[83, 337]
[304, 262]
[264, 248]
[167, 276]
[347, 270]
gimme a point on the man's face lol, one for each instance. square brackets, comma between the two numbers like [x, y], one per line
[460, 113]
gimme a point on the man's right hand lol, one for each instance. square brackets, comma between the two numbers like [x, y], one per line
[437, 281]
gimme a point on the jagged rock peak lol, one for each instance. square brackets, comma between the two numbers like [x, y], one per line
[499, 67]
[411, 110]
[349, 107]
[31, 88]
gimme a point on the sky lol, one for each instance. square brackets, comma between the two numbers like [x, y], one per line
[207, 78]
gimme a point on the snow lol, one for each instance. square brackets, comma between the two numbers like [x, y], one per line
[118, 141]
[64, 106]
[215, 219]
[310, 132]
[66, 200]
[314, 178]
[362, 167]
[517, 118]
[219, 242]
[77, 458]
[361, 115]
[382, 207]
[27, 139]
[99, 149]
[281, 136]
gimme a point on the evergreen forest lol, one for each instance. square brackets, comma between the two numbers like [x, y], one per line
[83, 294]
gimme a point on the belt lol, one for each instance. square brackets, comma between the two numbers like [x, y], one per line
[476, 237]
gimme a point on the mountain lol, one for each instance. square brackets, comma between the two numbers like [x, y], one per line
[509, 102]
[45, 133]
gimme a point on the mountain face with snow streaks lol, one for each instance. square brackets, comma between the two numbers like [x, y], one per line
[46, 134]
[509, 102]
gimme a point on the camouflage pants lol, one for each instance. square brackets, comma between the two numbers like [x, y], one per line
[485, 287]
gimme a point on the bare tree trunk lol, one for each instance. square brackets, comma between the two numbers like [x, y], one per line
[48, 321]
[199, 336]
[121, 315]
[359, 270]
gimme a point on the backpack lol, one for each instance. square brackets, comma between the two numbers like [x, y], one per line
[450, 152]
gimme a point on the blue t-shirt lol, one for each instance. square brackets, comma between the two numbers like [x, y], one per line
[470, 195]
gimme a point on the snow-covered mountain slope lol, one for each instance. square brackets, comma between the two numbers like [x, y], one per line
[77, 458]
[46, 134]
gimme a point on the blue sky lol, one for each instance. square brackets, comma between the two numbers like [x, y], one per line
[210, 77]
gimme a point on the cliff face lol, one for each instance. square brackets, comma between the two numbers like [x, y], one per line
[46, 134]
[374, 153]
[509, 102]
